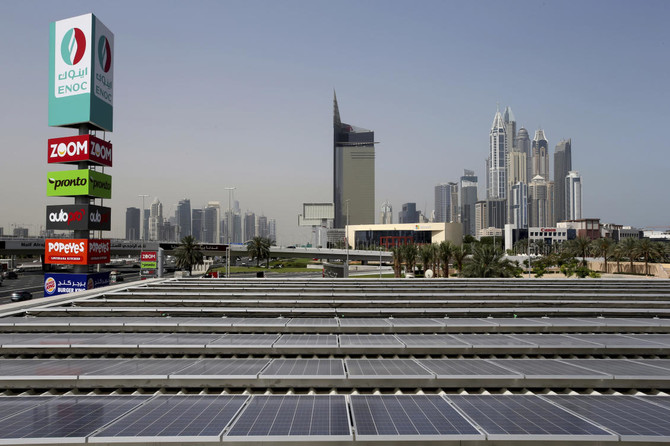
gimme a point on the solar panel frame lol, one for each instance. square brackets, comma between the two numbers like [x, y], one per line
[174, 418]
[632, 418]
[499, 416]
[410, 418]
[299, 414]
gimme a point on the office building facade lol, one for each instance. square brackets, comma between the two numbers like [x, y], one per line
[409, 214]
[469, 186]
[446, 203]
[132, 223]
[249, 226]
[211, 227]
[497, 175]
[562, 165]
[540, 155]
[573, 196]
[183, 217]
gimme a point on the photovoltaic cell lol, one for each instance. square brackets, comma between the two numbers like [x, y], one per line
[293, 416]
[369, 341]
[415, 322]
[430, 340]
[313, 322]
[626, 415]
[546, 368]
[363, 322]
[67, 417]
[620, 367]
[11, 405]
[555, 340]
[466, 368]
[518, 417]
[492, 340]
[306, 340]
[660, 400]
[305, 367]
[247, 367]
[408, 416]
[249, 340]
[613, 340]
[200, 417]
[135, 367]
[385, 367]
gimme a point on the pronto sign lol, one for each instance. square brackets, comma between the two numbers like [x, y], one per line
[69, 183]
[74, 149]
[76, 251]
[78, 217]
[81, 73]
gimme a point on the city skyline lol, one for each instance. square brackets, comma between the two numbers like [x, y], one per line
[204, 107]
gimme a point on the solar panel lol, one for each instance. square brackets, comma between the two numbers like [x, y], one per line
[246, 340]
[663, 339]
[547, 368]
[621, 368]
[415, 322]
[385, 368]
[31, 368]
[11, 405]
[304, 367]
[663, 363]
[363, 322]
[298, 416]
[525, 417]
[66, 417]
[466, 368]
[555, 340]
[183, 340]
[217, 368]
[261, 322]
[136, 368]
[421, 417]
[516, 322]
[632, 418]
[45, 339]
[313, 322]
[182, 417]
[492, 340]
[372, 340]
[660, 400]
[613, 340]
[300, 340]
[430, 340]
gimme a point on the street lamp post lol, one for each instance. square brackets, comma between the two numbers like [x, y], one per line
[229, 228]
[142, 231]
[346, 240]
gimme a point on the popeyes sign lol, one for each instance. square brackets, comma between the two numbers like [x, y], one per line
[76, 251]
[74, 149]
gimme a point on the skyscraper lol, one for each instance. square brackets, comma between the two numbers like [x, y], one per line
[497, 156]
[408, 214]
[212, 222]
[540, 199]
[562, 165]
[196, 224]
[446, 202]
[523, 145]
[249, 226]
[518, 209]
[540, 155]
[386, 213]
[132, 223]
[490, 214]
[353, 172]
[263, 229]
[573, 196]
[510, 129]
[155, 219]
[183, 215]
[469, 186]
[272, 229]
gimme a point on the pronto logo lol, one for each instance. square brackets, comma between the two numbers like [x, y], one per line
[69, 182]
[73, 46]
[66, 247]
[106, 185]
[104, 54]
[50, 285]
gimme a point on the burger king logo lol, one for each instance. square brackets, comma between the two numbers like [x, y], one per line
[50, 285]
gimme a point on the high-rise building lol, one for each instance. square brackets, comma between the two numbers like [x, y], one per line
[562, 165]
[516, 173]
[263, 229]
[196, 224]
[155, 219]
[145, 224]
[510, 129]
[183, 217]
[409, 214]
[386, 213]
[490, 213]
[540, 155]
[573, 196]
[518, 200]
[469, 187]
[237, 227]
[497, 182]
[272, 229]
[523, 145]
[132, 223]
[249, 226]
[212, 222]
[353, 172]
[446, 202]
[540, 202]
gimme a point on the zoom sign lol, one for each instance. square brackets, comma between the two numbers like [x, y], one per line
[76, 251]
[74, 149]
[79, 217]
[70, 183]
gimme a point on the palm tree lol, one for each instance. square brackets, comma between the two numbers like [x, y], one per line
[426, 256]
[459, 253]
[446, 250]
[410, 253]
[397, 260]
[617, 255]
[648, 251]
[581, 246]
[629, 248]
[602, 247]
[259, 247]
[188, 254]
[487, 261]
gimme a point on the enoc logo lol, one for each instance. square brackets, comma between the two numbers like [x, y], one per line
[104, 54]
[73, 46]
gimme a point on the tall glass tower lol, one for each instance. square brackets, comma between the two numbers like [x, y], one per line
[497, 183]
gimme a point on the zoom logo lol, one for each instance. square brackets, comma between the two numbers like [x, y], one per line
[104, 54]
[73, 46]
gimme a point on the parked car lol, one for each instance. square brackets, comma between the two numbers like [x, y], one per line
[10, 275]
[18, 296]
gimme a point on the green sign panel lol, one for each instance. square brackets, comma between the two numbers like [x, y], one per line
[81, 73]
[149, 265]
[69, 183]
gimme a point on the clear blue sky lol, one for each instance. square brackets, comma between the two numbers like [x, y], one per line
[223, 93]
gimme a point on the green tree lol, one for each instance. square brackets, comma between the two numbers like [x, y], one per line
[259, 248]
[629, 248]
[581, 247]
[426, 256]
[649, 251]
[397, 252]
[446, 250]
[602, 247]
[617, 255]
[459, 253]
[410, 253]
[487, 261]
[188, 254]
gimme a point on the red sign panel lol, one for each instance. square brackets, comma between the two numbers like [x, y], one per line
[149, 256]
[76, 251]
[73, 149]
